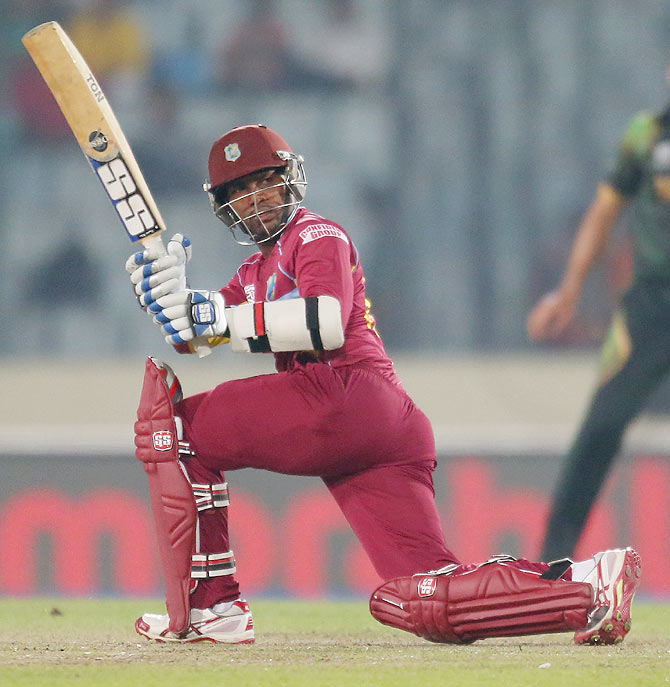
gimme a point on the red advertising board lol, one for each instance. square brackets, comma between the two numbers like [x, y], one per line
[78, 526]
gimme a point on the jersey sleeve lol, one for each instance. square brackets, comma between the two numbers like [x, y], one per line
[233, 292]
[628, 170]
[323, 268]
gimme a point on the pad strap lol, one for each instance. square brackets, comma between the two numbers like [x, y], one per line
[205, 565]
[211, 495]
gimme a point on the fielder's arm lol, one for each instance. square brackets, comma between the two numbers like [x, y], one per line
[553, 313]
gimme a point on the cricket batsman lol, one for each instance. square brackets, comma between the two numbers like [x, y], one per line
[334, 409]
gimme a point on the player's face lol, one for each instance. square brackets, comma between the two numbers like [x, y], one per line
[259, 199]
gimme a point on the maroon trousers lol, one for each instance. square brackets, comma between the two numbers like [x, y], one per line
[359, 432]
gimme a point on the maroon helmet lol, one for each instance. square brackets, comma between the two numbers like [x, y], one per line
[246, 150]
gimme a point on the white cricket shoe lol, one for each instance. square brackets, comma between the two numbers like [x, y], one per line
[614, 578]
[232, 626]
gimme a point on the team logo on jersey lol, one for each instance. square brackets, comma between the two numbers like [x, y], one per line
[427, 586]
[318, 231]
[250, 292]
[272, 284]
[163, 440]
[232, 152]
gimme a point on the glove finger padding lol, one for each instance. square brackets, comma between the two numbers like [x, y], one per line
[179, 246]
[188, 314]
[153, 268]
[167, 314]
[179, 251]
[181, 326]
[154, 274]
[147, 284]
[146, 298]
[171, 300]
[143, 257]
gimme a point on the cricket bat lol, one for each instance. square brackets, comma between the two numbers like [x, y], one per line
[98, 133]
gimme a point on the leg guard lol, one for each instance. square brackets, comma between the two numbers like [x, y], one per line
[494, 600]
[172, 503]
[176, 500]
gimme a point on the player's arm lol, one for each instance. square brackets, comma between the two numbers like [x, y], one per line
[324, 267]
[316, 321]
[295, 324]
[553, 313]
[591, 239]
[191, 318]
[555, 310]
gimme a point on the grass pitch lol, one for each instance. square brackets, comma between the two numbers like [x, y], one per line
[58, 643]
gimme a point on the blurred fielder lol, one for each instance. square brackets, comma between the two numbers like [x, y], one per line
[335, 409]
[636, 351]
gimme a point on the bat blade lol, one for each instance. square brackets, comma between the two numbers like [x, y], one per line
[98, 133]
[96, 129]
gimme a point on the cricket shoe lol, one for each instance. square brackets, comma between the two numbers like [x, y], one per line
[234, 625]
[614, 579]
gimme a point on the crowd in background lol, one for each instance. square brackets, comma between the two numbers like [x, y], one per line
[458, 144]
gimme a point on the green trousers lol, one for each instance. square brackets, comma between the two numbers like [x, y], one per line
[635, 359]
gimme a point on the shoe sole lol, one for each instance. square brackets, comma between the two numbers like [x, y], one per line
[246, 639]
[618, 626]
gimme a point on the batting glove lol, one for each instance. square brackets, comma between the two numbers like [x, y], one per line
[154, 275]
[190, 314]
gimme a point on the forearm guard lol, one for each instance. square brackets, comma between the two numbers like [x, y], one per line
[294, 324]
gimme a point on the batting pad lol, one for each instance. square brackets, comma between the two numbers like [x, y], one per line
[172, 501]
[494, 600]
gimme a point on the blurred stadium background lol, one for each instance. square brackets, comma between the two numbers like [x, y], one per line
[458, 141]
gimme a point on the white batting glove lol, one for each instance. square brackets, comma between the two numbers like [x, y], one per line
[154, 275]
[190, 314]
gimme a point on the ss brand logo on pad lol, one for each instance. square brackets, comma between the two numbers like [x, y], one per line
[427, 586]
[163, 440]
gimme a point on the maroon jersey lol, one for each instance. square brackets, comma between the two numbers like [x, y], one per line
[341, 415]
[315, 257]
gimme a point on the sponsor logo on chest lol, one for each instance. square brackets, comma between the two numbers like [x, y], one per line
[318, 231]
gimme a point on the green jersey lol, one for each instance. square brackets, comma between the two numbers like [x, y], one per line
[642, 171]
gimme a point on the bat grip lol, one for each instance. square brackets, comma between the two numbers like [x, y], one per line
[202, 351]
[155, 241]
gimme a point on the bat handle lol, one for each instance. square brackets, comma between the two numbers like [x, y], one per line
[202, 351]
[156, 242]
